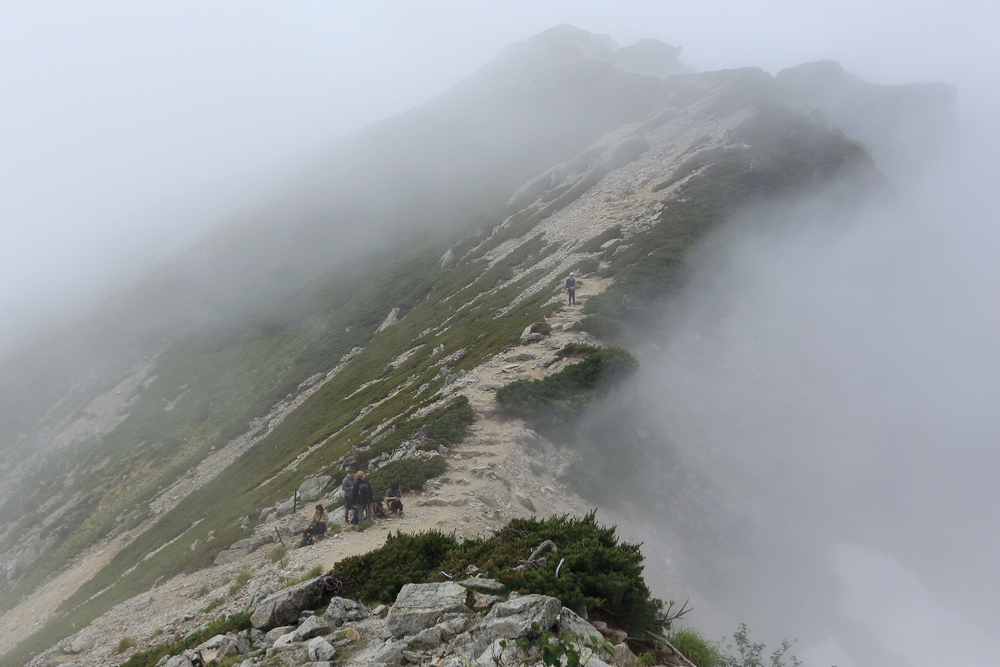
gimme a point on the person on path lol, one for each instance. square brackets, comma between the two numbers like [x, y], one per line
[316, 528]
[347, 486]
[393, 499]
[571, 289]
[362, 500]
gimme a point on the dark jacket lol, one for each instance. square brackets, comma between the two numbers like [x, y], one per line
[361, 494]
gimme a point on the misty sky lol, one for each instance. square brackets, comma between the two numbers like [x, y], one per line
[128, 128]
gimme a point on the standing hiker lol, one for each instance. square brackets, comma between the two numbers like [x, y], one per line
[571, 288]
[362, 500]
[347, 486]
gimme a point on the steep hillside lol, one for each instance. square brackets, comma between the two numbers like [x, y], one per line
[337, 330]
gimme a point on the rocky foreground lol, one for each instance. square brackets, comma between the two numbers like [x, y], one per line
[471, 622]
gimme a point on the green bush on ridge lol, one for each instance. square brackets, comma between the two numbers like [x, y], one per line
[410, 474]
[550, 404]
[598, 573]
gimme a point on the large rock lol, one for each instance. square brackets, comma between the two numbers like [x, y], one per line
[314, 626]
[342, 610]
[313, 488]
[391, 653]
[81, 642]
[295, 524]
[285, 607]
[572, 625]
[420, 606]
[320, 650]
[483, 584]
[274, 634]
[517, 617]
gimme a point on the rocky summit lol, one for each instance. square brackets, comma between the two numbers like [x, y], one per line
[453, 301]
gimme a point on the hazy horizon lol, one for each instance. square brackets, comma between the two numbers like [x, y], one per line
[129, 131]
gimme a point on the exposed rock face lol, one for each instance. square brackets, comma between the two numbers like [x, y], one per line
[313, 488]
[572, 624]
[518, 617]
[420, 606]
[390, 319]
[342, 610]
[286, 606]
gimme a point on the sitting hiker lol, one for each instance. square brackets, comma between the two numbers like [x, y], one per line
[393, 499]
[316, 528]
[362, 497]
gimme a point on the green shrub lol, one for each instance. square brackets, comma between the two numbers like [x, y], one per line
[542, 327]
[151, 657]
[449, 427]
[586, 266]
[124, 644]
[411, 474]
[148, 658]
[597, 573]
[605, 328]
[550, 404]
[380, 574]
[241, 580]
[696, 648]
[277, 553]
[445, 426]
[594, 245]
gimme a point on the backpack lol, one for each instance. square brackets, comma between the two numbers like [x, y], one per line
[363, 491]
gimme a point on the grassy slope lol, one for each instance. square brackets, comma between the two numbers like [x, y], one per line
[238, 491]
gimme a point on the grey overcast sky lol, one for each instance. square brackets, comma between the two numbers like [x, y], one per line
[128, 127]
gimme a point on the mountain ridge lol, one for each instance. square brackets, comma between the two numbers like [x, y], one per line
[507, 262]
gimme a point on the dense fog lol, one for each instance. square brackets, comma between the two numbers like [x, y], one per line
[836, 377]
[129, 130]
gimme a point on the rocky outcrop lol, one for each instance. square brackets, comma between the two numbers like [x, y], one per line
[285, 607]
[427, 624]
[420, 606]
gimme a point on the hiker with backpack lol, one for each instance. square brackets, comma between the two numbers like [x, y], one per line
[571, 289]
[362, 497]
[347, 486]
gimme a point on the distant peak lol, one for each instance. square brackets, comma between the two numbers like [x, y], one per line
[566, 43]
[573, 43]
